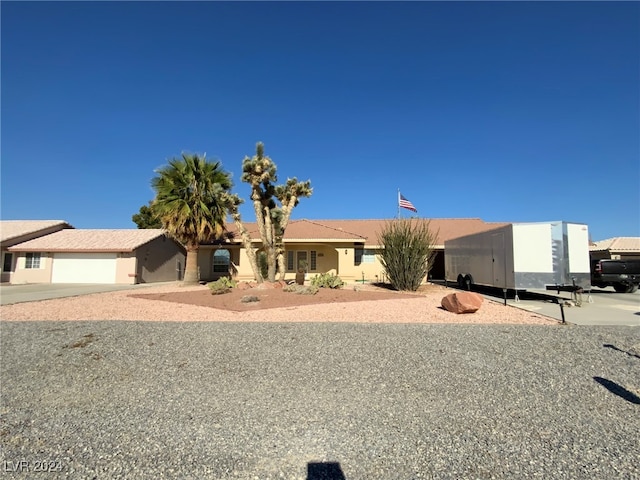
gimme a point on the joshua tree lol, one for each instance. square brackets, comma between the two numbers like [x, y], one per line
[272, 220]
[190, 193]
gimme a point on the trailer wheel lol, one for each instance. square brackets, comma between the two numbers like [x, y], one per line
[468, 281]
[460, 281]
[633, 288]
[621, 287]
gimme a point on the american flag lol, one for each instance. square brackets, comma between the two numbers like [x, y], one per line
[404, 203]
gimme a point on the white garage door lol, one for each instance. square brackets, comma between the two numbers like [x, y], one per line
[84, 268]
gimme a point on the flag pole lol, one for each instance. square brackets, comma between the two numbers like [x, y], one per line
[398, 204]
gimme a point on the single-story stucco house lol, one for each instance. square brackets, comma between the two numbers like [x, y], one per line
[98, 256]
[347, 248]
[13, 232]
[618, 248]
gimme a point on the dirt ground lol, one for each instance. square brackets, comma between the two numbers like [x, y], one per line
[277, 298]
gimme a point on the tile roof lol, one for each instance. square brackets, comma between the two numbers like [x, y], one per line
[86, 240]
[10, 229]
[367, 231]
[617, 244]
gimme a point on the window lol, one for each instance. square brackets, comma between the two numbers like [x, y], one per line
[302, 259]
[7, 265]
[364, 255]
[221, 261]
[32, 260]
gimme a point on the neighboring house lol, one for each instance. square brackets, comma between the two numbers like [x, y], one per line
[618, 248]
[348, 248]
[13, 232]
[99, 256]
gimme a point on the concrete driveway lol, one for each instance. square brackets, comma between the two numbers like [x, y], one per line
[600, 307]
[44, 291]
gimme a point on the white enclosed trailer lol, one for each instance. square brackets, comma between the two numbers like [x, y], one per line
[522, 256]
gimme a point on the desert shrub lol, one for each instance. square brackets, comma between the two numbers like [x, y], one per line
[263, 263]
[327, 280]
[408, 252]
[301, 289]
[222, 285]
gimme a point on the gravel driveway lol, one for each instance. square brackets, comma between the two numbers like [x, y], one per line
[110, 399]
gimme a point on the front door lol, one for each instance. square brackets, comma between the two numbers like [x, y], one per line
[302, 262]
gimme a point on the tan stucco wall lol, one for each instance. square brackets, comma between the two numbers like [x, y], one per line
[205, 263]
[32, 275]
[161, 260]
[337, 258]
[9, 276]
[349, 272]
[126, 268]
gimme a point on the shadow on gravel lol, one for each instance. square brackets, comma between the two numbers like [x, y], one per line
[324, 471]
[613, 347]
[619, 390]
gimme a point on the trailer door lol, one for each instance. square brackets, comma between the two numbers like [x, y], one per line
[498, 263]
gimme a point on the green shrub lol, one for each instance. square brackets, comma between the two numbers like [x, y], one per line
[222, 285]
[408, 252]
[327, 280]
[263, 263]
[301, 289]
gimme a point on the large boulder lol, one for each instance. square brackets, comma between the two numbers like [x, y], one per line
[462, 302]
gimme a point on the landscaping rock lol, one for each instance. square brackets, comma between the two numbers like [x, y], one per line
[462, 302]
[249, 299]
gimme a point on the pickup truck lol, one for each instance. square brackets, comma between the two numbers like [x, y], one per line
[622, 275]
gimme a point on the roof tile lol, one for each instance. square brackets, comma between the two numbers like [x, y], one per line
[10, 229]
[617, 244]
[86, 240]
[367, 230]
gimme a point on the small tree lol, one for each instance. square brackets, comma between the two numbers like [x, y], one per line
[272, 220]
[146, 218]
[408, 252]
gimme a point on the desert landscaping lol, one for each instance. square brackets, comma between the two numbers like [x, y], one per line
[353, 303]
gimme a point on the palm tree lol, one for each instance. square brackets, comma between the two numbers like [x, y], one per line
[188, 203]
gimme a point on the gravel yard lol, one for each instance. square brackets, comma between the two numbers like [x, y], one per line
[364, 304]
[244, 400]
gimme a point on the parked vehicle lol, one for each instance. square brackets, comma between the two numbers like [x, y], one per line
[622, 275]
[522, 256]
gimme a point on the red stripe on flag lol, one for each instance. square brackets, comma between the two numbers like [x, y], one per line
[404, 203]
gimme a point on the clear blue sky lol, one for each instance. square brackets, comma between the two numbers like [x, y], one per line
[506, 111]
